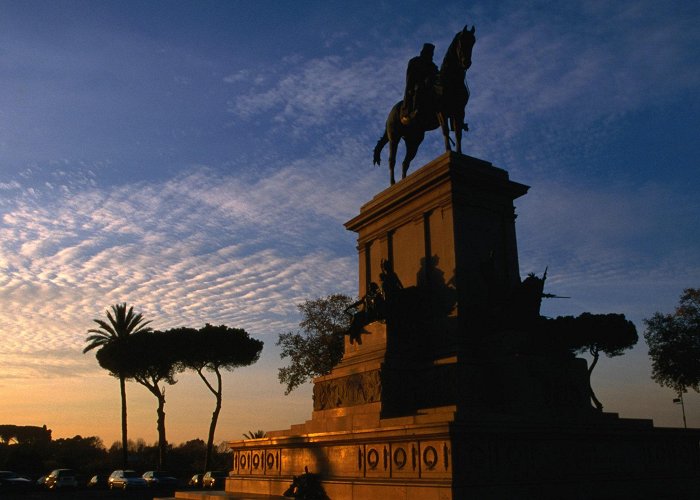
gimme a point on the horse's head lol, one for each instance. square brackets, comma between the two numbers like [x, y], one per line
[465, 43]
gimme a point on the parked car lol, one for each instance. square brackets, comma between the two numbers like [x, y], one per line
[214, 479]
[196, 481]
[125, 479]
[12, 481]
[160, 479]
[61, 479]
[98, 482]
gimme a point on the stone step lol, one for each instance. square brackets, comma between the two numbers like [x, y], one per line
[218, 495]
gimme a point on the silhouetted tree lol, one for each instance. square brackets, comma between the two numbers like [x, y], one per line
[120, 324]
[254, 434]
[213, 349]
[24, 458]
[86, 454]
[317, 346]
[188, 456]
[674, 344]
[24, 434]
[610, 334]
[150, 358]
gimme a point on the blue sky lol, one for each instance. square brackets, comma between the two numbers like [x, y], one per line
[198, 160]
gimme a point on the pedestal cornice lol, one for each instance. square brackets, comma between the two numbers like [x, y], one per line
[447, 176]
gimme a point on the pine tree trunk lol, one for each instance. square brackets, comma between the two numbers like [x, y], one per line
[596, 355]
[214, 419]
[162, 442]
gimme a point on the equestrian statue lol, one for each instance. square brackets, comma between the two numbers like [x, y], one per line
[432, 99]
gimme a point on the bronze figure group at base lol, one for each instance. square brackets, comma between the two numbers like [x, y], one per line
[432, 99]
[373, 305]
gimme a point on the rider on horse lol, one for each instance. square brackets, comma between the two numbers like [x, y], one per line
[431, 100]
[421, 76]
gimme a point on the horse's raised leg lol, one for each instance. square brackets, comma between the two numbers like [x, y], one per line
[393, 146]
[445, 130]
[411, 150]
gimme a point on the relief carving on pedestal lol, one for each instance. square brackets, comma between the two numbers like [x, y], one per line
[355, 389]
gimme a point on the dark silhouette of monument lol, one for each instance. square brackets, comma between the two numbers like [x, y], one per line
[446, 396]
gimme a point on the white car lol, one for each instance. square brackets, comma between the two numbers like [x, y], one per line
[125, 479]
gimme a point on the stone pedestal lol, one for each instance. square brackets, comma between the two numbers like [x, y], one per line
[439, 401]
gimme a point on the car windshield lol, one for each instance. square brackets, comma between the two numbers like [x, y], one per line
[130, 473]
[64, 473]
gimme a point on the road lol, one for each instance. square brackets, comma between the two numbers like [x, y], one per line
[84, 494]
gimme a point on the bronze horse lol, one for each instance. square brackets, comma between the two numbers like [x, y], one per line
[450, 97]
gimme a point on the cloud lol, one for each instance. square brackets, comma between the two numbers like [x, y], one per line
[196, 248]
[319, 91]
[589, 62]
[239, 76]
[7, 186]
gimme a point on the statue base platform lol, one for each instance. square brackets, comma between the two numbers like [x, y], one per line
[437, 455]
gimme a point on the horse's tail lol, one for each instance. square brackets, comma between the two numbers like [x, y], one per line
[383, 140]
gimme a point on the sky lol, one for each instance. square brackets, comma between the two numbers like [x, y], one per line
[197, 159]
